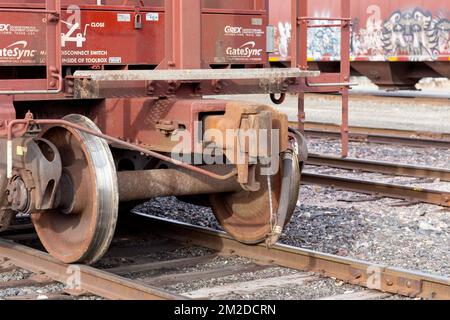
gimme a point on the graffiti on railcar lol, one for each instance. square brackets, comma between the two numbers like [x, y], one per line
[324, 43]
[368, 41]
[415, 33]
[284, 38]
[411, 33]
[443, 30]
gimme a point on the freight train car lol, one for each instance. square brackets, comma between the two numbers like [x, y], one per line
[394, 43]
[104, 102]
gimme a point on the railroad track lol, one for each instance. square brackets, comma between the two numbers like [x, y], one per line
[380, 136]
[389, 168]
[120, 280]
[430, 97]
[408, 193]
[389, 190]
[92, 282]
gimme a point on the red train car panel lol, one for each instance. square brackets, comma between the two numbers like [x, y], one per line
[118, 34]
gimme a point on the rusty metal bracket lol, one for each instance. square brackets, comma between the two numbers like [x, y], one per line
[36, 175]
[166, 127]
[46, 170]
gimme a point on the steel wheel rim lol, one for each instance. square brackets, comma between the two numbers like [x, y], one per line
[246, 215]
[82, 237]
[251, 224]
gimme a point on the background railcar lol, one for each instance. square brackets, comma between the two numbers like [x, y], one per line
[394, 43]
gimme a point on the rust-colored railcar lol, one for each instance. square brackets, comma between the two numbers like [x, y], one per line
[103, 102]
[394, 43]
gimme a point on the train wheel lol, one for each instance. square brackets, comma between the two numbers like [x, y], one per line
[81, 229]
[246, 215]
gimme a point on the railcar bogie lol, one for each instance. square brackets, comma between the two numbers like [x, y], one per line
[103, 103]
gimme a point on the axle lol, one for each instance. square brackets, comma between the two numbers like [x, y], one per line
[147, 184]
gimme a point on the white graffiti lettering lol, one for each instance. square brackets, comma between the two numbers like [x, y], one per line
[284, 30]
[368, 41]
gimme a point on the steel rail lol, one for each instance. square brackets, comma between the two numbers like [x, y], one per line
[373, 276]
[92, 280]
[379, 167]
[412, 134]
[433, 97]
[379, 135]
[413, 194]
[401, 94]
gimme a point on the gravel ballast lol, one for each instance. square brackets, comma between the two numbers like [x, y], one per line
[379, 230]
